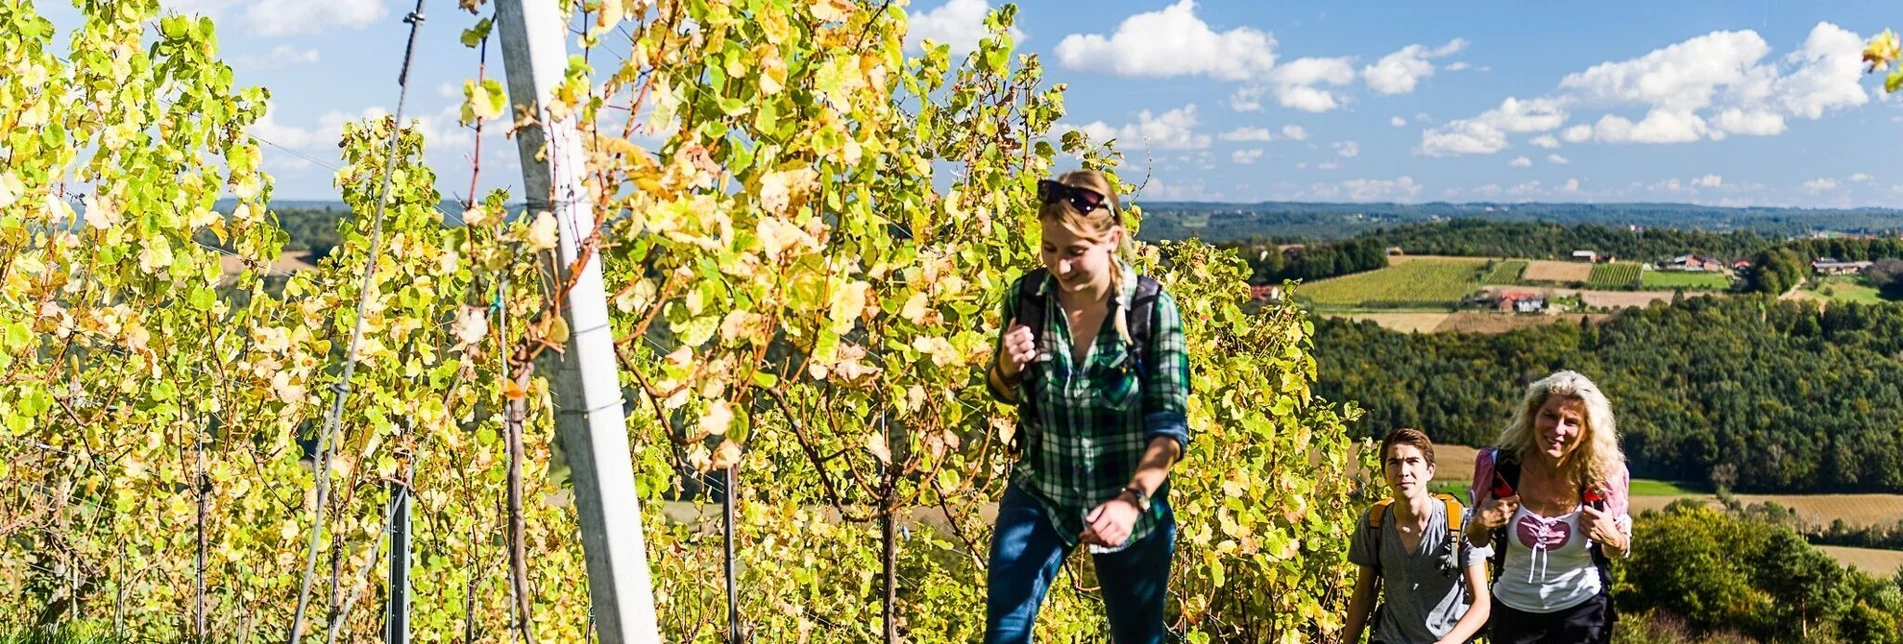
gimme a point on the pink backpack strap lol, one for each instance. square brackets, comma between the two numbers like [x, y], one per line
[1482, 489]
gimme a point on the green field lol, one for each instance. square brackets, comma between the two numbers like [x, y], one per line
[1685, 280]
[1614, 275]
[1640, 487]
[1422, 283]
[1647, 487]
[1847, 288]
[1508, 271]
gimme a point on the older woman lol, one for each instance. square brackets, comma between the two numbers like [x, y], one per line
[1551, 498]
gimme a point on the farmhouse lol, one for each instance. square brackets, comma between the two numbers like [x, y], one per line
[1829, 266]
[1696, 263]
[1585, 256]
[1740, 264]
[1265, 292]
[1521, 302]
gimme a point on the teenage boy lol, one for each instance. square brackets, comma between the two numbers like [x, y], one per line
[1431, 583]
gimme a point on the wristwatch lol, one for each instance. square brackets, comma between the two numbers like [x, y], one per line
[1141, 500]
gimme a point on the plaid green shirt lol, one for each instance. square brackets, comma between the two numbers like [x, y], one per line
[1093, 423]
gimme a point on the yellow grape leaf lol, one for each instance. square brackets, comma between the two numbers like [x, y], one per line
[513, 391]
[778, 189]
[916, 307]
[471, 326]
[832, 10]
[99, 212]
[717, 418]
[542, 233]
[10, 188]
[557, 331]
[725, 456]
[875, 443]
[847, 305]
[477, 216]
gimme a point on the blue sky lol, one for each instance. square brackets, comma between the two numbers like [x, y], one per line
[1736, 102]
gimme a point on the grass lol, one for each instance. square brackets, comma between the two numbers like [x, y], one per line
[63, 634]
[1415, 283]
[1614, 275]
[1647, 487]
[1508, 271]
[1685, 280]
[1847, 288]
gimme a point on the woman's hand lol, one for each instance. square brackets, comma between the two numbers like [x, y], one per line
[1495, 513]
[1108, 525]
[1020, 348]
[1604, 529]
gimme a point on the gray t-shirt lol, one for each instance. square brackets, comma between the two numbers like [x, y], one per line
[1422, 596]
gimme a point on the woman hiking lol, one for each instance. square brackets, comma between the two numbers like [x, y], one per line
[1551, 497]
[1094, 358]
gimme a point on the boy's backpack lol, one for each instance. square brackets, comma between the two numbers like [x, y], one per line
[1031, 311]
[1452, 545]
[1506, 470]
[1378, 515]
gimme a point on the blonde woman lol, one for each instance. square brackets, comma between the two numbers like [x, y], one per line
[1093, 356]
[1551, 497]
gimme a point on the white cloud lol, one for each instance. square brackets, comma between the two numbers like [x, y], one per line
[1820, 185]
[269, 129]
[1486, 133]
[197, 7]
[1294, 132]
[1303, 165]
[1659, 126]
[1260, 134]
[1527, 188]
[1458, 66]
[1708, 87]
[1400, 189]
[1680, 77]
[1556, 159]
[1709, 181]
[1545, 141]
[1347, 149]
[1520, 162]
[1571, 186]
[1171, 42]
[1401, 71]
[1756, 122]
[1295, 83]
[1328, 165]
[1171, 130]
[1397, 121]
[1829, 73]
[958, 23]
[280, 57]
[1246, 157]
[1860, 177]
[1192, 190]
[286, 17]
[1489, 190]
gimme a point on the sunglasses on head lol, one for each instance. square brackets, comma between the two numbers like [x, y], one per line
[1083, 199]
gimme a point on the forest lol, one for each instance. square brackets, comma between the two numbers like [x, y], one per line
[1755, 393]
[1229, 222]
[1733, 572]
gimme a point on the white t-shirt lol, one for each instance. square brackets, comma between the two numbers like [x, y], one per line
[1548, 567]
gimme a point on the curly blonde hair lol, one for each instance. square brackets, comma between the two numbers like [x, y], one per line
[1597, 458]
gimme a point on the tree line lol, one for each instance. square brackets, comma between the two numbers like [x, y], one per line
[1549, 240]
[1731, 570]
[1778, 269]
[1777, 397]
[1270, 264]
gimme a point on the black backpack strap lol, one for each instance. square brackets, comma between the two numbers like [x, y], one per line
[1142, 321]
[1599, 559]
[1030, 313]
[1507, 467]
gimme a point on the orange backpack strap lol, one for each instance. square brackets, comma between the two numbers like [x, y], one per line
[1454, 510]
[1378, 513]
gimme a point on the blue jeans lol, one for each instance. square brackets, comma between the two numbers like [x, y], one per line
[1026, 553]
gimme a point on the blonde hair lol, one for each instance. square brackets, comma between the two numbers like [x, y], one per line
[1597, 458]
[1094, 225]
